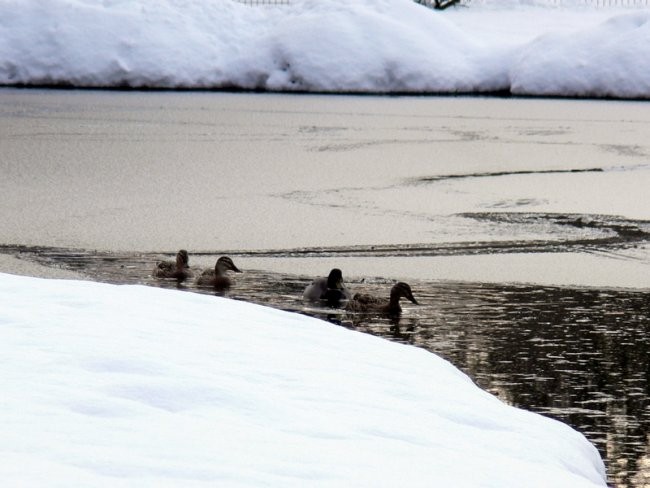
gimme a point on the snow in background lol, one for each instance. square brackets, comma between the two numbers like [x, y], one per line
[334, 46]
[106, 385]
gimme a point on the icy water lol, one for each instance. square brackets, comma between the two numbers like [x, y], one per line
[579, 355]
[523, 226]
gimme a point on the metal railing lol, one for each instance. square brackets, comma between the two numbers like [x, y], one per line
[571, 3]
[263, 2]
[447, 3]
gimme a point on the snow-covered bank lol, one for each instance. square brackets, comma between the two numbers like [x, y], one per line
[334, 46]
[136, 386]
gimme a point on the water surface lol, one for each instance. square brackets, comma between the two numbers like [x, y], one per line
[576, 354]
[522, 225]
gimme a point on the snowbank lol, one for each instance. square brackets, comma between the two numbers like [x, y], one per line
[334, 46]
[608, 60]
[132, 386]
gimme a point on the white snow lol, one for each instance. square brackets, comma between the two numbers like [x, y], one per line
[107, 385]
[334, 46]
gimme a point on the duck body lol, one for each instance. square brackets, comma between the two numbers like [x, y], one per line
[217, 278]
[330, 289]
[178, 270]
[364, 303]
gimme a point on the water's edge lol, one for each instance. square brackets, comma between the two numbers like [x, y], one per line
[578, 354]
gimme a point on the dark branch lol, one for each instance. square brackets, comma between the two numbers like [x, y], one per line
[438, 4]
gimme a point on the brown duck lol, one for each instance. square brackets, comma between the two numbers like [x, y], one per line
[362, 303]
[178, 270]
[217, 277]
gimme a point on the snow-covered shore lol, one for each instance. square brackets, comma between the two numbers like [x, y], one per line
[136, 386]
[335, 46]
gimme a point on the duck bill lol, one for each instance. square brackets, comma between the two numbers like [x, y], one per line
[412, 299]
[236, 269]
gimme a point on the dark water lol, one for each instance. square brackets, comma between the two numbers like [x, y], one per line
[579, 355]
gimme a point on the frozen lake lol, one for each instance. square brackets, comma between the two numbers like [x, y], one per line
[210, 172]
[522, 224]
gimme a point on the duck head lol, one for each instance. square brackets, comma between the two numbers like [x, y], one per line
[335, 279]
[400, 290]
[224, 263]
[182, 259]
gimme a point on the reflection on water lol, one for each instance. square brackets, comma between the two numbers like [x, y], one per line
[579, 355]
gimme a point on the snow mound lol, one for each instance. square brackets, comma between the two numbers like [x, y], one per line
[607, 60]
[336, 46]
[132, 386]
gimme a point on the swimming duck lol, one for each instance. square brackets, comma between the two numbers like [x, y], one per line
[217, 277]
[178, 270]
[331, 289]
[370, 304]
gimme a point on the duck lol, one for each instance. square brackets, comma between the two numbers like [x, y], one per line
[178, 270]
[330, 289]
[217, 277]
[363, 303]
